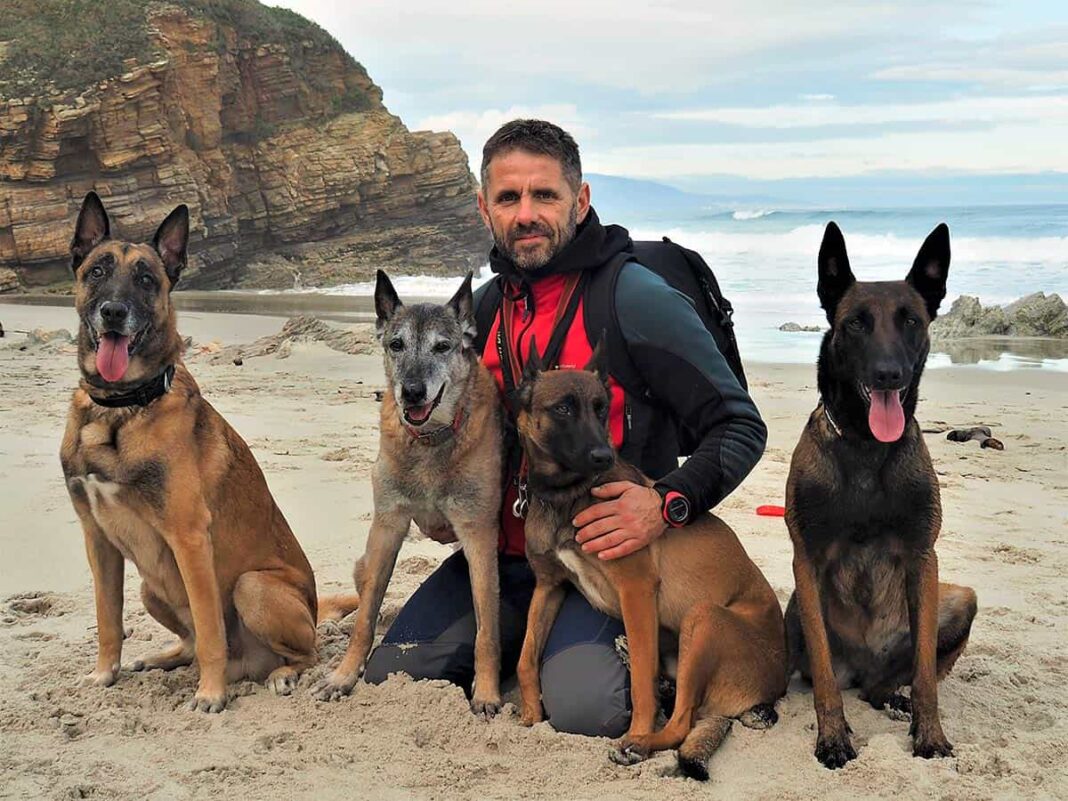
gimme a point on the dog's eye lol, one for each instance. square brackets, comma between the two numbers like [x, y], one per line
[599, 409]
[146, 280]
[396, 345]
[911, 322]
[562, 409]
[442, 347]
[96, 272]
[856, 324]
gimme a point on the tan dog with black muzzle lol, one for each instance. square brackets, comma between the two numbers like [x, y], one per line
[696, 583]
[158, 477]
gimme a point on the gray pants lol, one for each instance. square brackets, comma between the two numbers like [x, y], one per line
[585, 685]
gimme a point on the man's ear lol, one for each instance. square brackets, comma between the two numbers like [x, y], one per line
[172, 240]
[598, 362]
[462, 304]
[931, 268]
[483, 208]
[91, 229]
[835, 276]
[386, 301]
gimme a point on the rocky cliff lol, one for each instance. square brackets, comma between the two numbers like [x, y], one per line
[258, 120]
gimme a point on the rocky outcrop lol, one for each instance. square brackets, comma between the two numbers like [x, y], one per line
[283, 151]
[1036, 315]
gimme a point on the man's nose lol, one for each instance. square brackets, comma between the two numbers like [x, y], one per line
[525, 214]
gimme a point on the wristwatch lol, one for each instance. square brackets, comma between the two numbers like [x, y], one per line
[675, 507]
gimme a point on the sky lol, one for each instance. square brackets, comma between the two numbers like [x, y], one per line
[758, 93]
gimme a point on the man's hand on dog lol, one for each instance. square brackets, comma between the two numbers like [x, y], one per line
[627, 520]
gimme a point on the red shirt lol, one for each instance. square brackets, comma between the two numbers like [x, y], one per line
[574, 355]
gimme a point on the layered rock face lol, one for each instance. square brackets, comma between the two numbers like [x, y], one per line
[292, 168]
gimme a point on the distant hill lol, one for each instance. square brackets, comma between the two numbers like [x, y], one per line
[631, 201]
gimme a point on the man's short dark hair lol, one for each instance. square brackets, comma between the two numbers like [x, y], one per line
[539, 137]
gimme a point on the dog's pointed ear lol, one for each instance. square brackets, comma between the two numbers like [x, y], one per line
[931, 268]
[598, 362]
[92, 228]
[386, 301]
[531, 367]
[463, 304]
[835, 277]
[171, 241]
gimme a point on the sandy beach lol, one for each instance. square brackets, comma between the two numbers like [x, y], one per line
[310, 416]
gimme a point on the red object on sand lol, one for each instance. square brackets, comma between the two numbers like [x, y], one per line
[771, 511]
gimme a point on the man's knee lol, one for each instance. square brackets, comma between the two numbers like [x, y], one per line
[433, 660]
[586, 690]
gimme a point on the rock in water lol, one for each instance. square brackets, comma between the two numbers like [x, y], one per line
[1037, 315]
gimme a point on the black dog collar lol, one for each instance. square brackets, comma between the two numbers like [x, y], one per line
[142, 395]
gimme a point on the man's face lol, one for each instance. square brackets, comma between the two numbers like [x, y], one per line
[530, 208]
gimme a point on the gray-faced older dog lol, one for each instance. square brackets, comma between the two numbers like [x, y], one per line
[439, 464]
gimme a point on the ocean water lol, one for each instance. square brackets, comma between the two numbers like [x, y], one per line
[765, 260]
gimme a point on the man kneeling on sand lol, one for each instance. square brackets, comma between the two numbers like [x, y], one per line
[547, 237]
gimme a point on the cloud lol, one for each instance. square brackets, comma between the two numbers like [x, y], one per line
[474, 127]
[1051, 109]
[1006, 149]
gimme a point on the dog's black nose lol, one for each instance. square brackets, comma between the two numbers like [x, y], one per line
[413, 392]
[601, 457]
[114, 314]
[887, 375]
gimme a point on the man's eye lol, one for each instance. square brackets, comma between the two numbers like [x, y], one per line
[442, 347]
[396, 345]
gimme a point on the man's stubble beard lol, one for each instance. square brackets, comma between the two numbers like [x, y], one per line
[534, 260]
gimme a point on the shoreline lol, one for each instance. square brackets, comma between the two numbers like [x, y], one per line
[996, 353]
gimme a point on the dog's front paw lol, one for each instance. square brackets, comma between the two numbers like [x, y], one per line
[531, 714]
[283, 680]
[835, 751]
[485, 708]
[333, 687]
[206, 701]
[931, 747]
[629, 751]
[101, 677]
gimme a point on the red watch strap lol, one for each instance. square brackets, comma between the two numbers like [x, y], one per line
[669, 496]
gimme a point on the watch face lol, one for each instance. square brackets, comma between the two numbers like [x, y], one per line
[678, 509]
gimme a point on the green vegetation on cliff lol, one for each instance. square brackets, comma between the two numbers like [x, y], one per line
[68, 45]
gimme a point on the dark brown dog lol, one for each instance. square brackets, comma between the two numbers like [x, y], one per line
[158, 477]
[696, 582]
[863, 509]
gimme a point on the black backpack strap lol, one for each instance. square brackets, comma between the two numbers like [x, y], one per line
[487, 304]
[602, 321]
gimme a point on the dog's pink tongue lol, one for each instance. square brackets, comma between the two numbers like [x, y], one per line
[113, 357]
[886, 418]
[418, 414]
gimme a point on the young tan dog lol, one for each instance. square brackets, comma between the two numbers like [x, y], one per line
[158, 477]
[696, 582]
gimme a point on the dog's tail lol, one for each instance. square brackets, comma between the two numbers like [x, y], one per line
[335, 607]
[700, 744]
